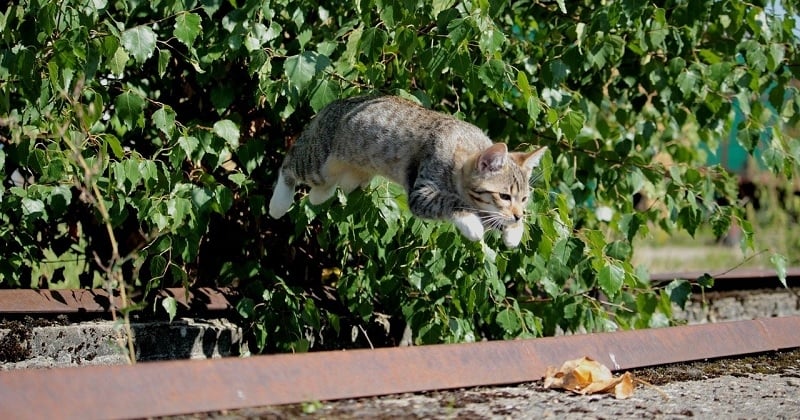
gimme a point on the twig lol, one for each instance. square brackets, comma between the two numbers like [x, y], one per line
[648, 384]
[363, 331]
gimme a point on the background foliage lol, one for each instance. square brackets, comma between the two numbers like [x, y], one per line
[140, 141]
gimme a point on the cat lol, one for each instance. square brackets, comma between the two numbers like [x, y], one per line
[449, 168]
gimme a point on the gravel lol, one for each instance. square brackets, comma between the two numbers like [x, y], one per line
[742, 394]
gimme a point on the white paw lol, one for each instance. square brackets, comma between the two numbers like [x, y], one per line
[279, 205]
[319, 195]
[469, 225]
[282, 198]
[512, 235]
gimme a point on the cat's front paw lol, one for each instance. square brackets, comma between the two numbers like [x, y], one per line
[512, 235]
[469, 225]
[278, 206]
[282, 198]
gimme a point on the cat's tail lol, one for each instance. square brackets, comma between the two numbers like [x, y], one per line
[282, 194]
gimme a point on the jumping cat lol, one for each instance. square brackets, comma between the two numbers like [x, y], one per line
[449, 168]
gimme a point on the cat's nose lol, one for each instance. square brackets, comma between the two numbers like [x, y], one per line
[517, 217]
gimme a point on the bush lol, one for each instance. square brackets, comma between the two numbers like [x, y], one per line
[140, 142]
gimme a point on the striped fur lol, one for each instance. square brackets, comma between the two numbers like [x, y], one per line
[449, 168]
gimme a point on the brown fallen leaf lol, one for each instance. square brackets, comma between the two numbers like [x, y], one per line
[587, 376]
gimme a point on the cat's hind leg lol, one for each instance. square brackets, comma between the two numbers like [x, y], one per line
[321, 193]
[282, 195]
[352, 179]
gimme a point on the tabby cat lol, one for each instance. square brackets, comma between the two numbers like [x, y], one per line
[449, 168]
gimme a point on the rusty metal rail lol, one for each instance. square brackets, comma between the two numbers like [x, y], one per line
[78, 301]
[206, 299]
[738, 279]
[176, 387]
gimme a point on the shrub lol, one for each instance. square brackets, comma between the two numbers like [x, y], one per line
[140, 142]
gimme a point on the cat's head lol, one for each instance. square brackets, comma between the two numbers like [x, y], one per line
[496, 183]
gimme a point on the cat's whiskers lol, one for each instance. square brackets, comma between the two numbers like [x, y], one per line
[535, 178]
[493, 219]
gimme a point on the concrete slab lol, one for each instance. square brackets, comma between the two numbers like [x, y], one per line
[96, 342]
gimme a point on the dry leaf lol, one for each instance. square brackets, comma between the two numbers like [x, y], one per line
[587, 376]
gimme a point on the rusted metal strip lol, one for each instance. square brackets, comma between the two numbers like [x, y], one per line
[738, 279]
[27, 301]
[166, 388]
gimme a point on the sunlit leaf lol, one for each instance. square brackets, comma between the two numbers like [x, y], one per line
[187, 28]
[171, 306]
[140, 42]
[164, 119]
[228, 130]
[779, 263]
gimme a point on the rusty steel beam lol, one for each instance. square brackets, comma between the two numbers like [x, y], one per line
[738, 279]
[177, 387]
[27, 301]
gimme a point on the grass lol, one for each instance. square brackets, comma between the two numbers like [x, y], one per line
[774, 232]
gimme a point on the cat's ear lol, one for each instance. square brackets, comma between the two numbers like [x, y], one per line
[528, 161]
[493, 158]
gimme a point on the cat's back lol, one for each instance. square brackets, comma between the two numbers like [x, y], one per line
[389, 136]
[392, 126]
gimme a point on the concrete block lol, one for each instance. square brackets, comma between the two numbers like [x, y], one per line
[96, 342]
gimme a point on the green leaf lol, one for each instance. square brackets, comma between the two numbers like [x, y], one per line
[190, 146]
[610, 278]
[492, 73]
[779, 262]
[523, 85]
[690, 218]
[187, 28]
[756, 57]
[372, 42]
[555, 72]
[171, 306]
[679, 292]
[534, 107]
[572, 123]
[620, 250]
[686, 82]
[705, 280]
[238, 178]
[140, 42]
[164, 120]
[562, 6]
[228, 130]
[130, 109]
[491, 41]
[117, 63]
[775, 57]
[116, 147]
[32, 207]
[246, 307]
[163, 61]
[325, 93]
[658, 30]
[747, 235]
[300, 69]
[508, 320]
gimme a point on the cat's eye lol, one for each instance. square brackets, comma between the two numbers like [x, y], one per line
[524, 199]
[505, 197]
